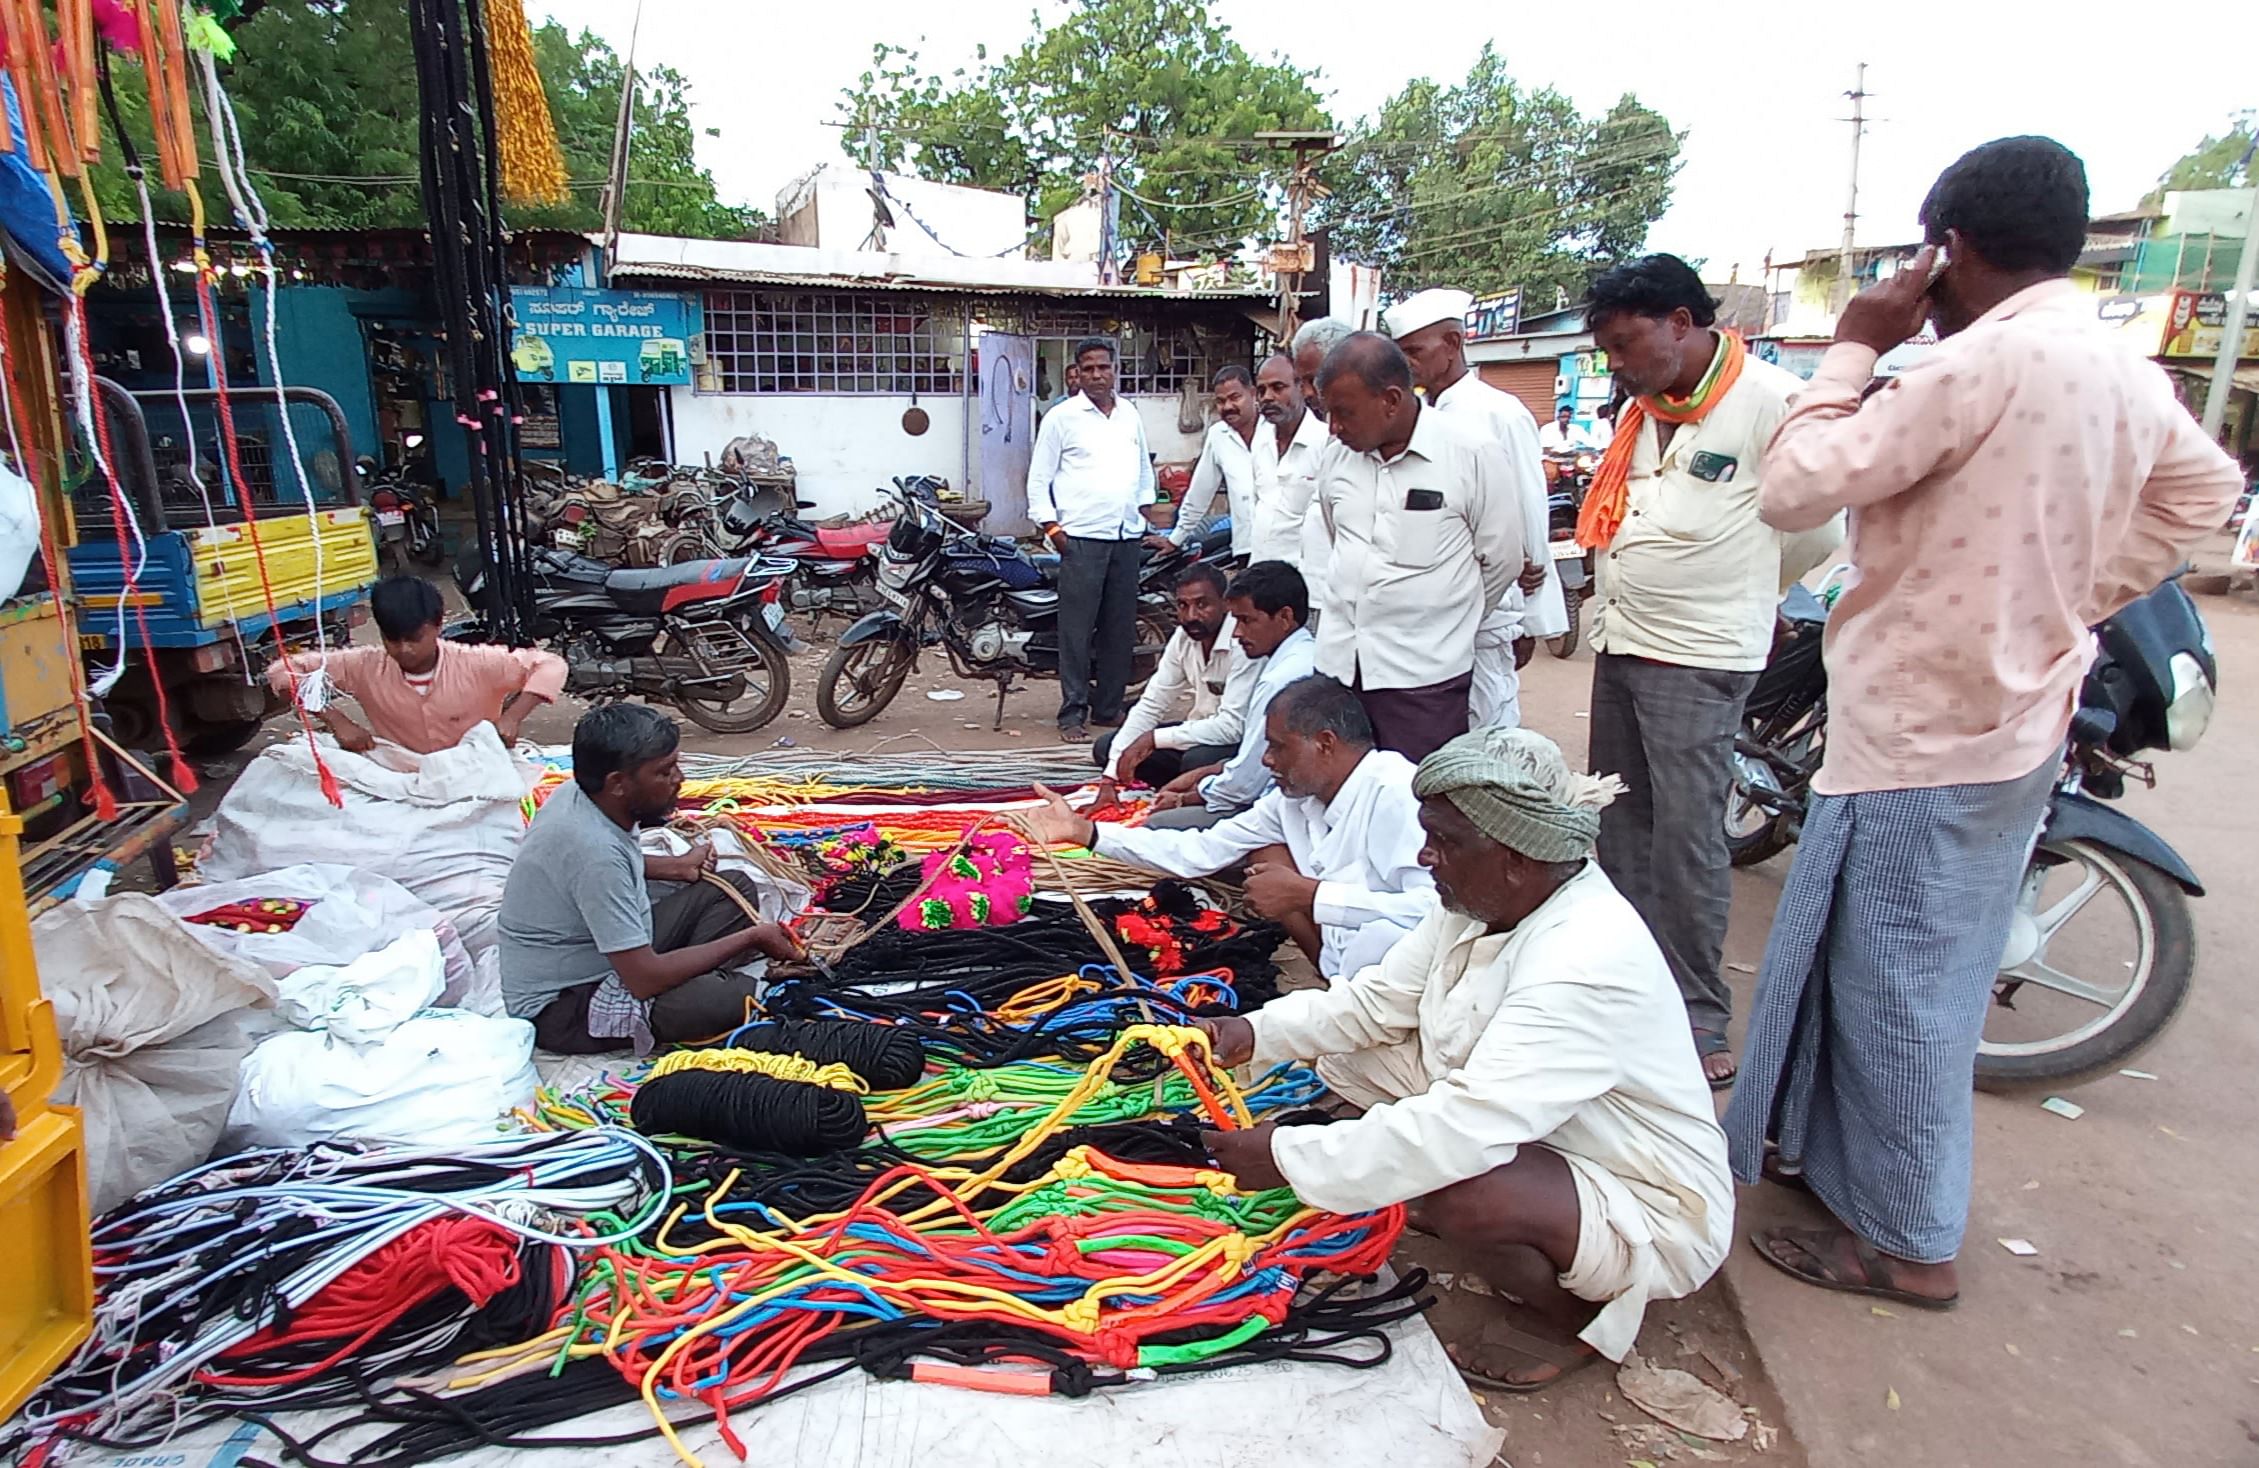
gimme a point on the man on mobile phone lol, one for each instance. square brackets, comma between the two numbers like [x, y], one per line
[1088, 484]
[1688, 580]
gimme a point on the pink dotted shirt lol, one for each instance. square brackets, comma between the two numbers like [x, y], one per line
[468, 687]
[2021, 483]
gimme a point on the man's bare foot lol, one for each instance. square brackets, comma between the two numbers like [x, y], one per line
[1524, 1354]
[1718, 1064]
[1834, 1258]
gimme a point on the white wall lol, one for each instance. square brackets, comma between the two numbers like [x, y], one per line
[846, 448]
[831, 209]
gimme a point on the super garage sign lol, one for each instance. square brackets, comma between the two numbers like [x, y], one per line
[574, 334]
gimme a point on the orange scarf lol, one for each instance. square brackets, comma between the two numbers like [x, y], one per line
[1610, 494]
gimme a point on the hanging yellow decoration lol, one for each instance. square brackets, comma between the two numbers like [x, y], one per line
[533, 165]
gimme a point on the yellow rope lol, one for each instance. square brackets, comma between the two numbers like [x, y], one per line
[756, 1062]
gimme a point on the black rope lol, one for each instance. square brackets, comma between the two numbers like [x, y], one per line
[756, 1112]
[886, 1058]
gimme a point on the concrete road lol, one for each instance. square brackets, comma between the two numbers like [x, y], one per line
[2130, 1337]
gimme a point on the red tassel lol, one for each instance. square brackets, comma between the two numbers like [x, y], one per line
[184, 775]
[105, 800]
[330, 789]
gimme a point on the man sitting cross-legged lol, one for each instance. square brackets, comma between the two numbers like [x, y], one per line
[1190, 714]
[1333, 847]
[1529, 1081]
[597, 959]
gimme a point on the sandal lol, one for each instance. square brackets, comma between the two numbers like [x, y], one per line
[1564, 1357]
[1780, 1173]
[1808, 1254]
[1708, 1043]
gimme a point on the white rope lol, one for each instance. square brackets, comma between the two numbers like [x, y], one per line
[81, 377]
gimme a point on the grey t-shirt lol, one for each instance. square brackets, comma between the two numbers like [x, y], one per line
[575, 894]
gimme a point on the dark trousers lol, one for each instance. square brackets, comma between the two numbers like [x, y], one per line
[1668, 732]
[1097, 628]
[1416, 722]
[1162, 765]
[698, 1008]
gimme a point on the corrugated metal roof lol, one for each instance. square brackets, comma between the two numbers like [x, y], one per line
[658, 270]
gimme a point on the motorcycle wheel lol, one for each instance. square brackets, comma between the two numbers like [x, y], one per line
[1155, 626]
[1754, 834]
[2079, 904]
[678, 546]
[429, 548]
[1565, 645]
[858, 682]
[768, 684]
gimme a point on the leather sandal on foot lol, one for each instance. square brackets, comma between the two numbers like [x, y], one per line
[1810, 1254]
[1708, 1043]
[1564, 1357]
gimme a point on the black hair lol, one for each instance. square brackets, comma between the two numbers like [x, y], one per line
[1653, 285]
[1097, 344]
[1233, 372]
[1270, 585]
[1200, 571]
[404, 606]
[2020, 203]
[1372, 359]
[1318, 704]
[619, 736]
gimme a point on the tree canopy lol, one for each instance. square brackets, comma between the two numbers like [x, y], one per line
[1488, 184]
[1158, 88]
[325, 91]
[2216, 163]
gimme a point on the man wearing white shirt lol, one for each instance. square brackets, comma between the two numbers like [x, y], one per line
[1268, 605]
[1226, 462]
[1426, 538]
[1312, 344]
[1088, 484]
[1287, 449]
[1528, 1086]
[1562, 435]
[1431, 328]
[1195, 704]
[1333, 849]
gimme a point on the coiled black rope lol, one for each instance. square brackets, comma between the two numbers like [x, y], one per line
[746, 1110]
[886, 1057]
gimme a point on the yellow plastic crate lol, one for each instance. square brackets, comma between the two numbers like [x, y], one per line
[47, 1264]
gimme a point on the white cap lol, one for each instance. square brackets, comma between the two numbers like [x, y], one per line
[1426, 309]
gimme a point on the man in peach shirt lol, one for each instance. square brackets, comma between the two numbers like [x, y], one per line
[418, 690]
[2019, 484]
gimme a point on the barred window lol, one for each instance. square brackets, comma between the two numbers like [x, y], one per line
[832, 342]
[1156, 357]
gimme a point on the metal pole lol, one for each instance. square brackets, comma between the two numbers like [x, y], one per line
[1858, 96]
[2231, 330]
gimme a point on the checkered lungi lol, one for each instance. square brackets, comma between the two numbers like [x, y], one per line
[1862, 1043]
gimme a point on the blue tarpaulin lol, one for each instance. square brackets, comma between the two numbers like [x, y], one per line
[27, 209]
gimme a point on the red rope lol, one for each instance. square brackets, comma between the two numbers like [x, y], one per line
[210, 317]
[184, 777]
[50, 560]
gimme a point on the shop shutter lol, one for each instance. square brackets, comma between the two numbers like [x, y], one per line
[1531, 381]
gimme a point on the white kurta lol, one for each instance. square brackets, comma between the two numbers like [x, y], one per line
[1567, 1031]
[1473, 403]
[1363, 846]
[1284, 483]
[1198, 695]
[1226, 463]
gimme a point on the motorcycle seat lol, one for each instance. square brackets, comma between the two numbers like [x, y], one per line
[646, 590]
[586, 570]
[1041, 600]
[852, 540]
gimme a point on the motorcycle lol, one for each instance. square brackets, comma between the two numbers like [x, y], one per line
[406, 520]
[2068, 1004]
[1568, 474]
[834, 567]
[982, 598]
[696, 635]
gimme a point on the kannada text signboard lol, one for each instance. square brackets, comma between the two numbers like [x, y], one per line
[575, 334]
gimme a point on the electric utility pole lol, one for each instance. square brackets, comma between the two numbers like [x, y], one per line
[2239, 306]
[1858, 95]
[616, 176]
[1301, 189]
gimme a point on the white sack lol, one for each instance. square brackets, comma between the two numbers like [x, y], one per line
[365, 1000]
[441, 1079]
[354, 913]
[19, 530]
[444, 825]
[154, 1027]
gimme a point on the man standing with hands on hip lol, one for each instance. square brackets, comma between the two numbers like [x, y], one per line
[1426, 537]
[1688, 581]
[1431, 328]
[1088, 483]
[2020, 483]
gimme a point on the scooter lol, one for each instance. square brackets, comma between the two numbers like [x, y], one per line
[2062, 1010]
[696, 635]
[1568, 474]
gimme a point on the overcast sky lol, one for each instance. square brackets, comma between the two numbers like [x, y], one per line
[1756, 88]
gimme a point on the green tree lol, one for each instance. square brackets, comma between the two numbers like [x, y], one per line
[325, 92]
[1157, 88]
[1488, 185]
[2222, 162]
